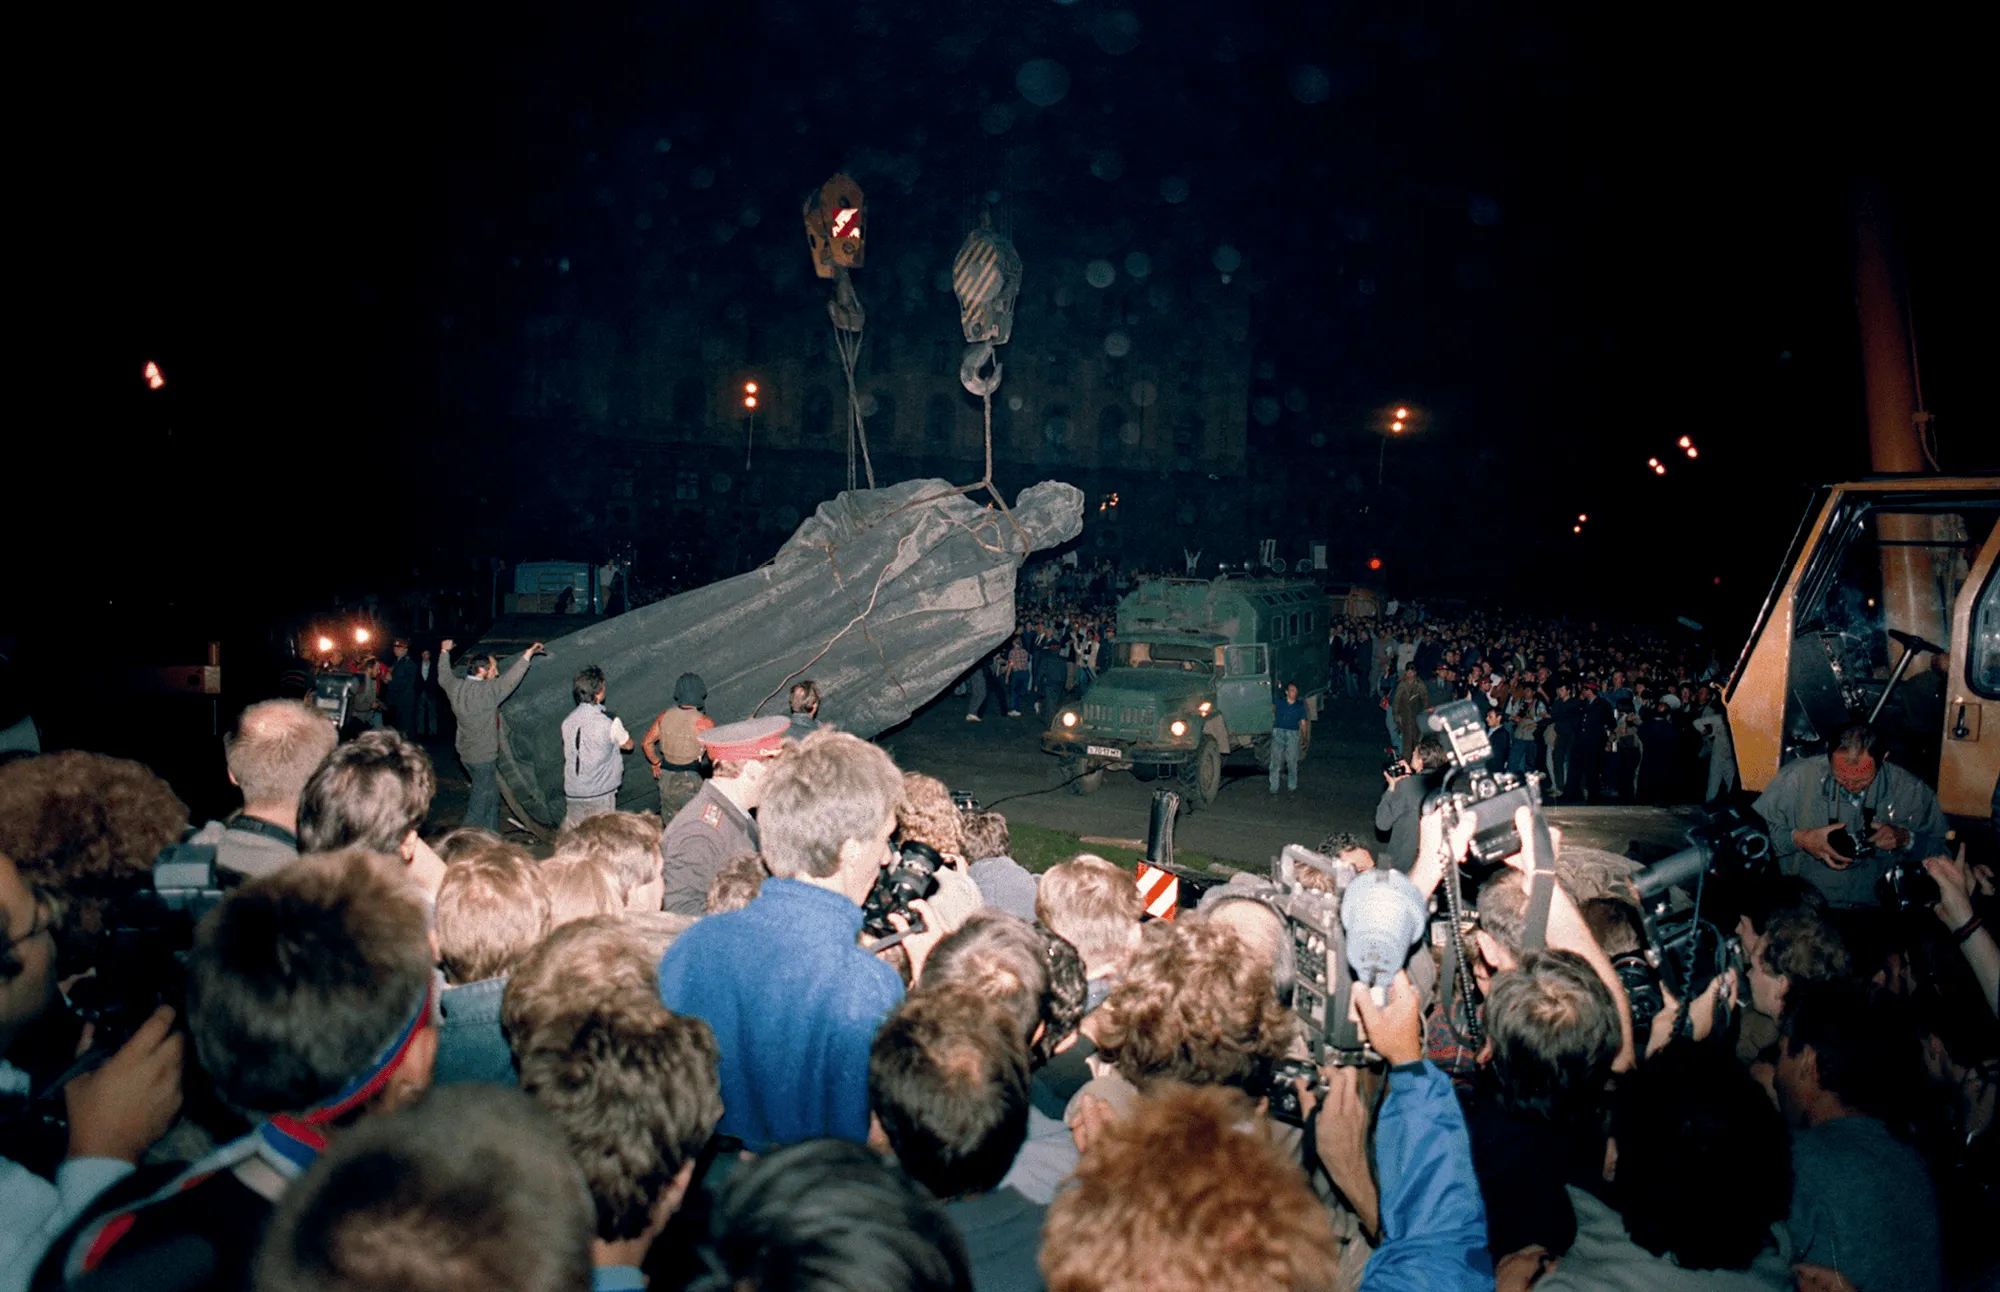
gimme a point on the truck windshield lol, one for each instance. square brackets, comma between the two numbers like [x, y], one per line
[1186, 659]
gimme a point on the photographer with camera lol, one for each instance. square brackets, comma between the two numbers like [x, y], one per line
[304, 1054]
[1846, 820]
[793, 999]
[1408, 785]
[115, 1113]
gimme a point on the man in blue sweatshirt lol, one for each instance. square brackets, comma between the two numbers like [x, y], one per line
[793, 1001]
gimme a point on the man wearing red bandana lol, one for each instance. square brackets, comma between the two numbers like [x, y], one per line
[310, 1006]
[1841, 819]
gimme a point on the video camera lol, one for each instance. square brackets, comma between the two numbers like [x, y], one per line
[140, 950]
[1684, 951]
[333, 695]
[910, 877]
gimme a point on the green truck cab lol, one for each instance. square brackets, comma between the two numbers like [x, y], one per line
[1198, 664]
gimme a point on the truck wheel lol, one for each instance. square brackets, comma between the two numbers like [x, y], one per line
[1146, 771]
[1201, 776]
[1080, 781]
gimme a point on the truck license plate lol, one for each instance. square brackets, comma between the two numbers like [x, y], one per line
[1102, 751]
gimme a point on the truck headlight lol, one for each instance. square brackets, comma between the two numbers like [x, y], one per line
[1204, 707]
[1178, 728]
[1069, 718]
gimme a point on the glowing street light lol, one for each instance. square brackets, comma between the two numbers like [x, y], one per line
[1576, 529]
[1685, 442]
[361, 636]
[1659, 470]
[750, 431]
[154, 377]
[1692, 453]
[1402, 414]
[1396, 426]
[325, 645]
[1581, 518]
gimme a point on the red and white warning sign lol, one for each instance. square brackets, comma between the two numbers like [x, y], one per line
[1159, 890]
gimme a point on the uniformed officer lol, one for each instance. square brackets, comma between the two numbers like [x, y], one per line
[715, 825]
[673, 745]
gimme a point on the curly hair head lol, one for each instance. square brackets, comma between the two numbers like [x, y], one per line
[1232, 1212]
[928, 815]
[1194, 1006]
[76, 821]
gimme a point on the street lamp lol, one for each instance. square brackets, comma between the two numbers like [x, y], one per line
[1397, 425]
[750, 408]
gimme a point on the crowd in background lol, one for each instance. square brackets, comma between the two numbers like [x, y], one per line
[394, 1056]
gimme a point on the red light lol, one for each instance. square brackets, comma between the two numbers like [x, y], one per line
[1374, 562]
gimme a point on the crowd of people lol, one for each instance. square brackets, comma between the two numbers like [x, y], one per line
[727, 1046]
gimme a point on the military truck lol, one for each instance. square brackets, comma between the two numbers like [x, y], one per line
[1198, 664]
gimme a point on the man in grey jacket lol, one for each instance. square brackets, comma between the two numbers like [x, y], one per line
[475, 701]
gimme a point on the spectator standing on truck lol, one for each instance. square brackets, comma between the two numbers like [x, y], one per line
[593, 741]
[475, 701]
[1287, 716]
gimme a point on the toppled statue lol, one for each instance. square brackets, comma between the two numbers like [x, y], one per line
[883, 596]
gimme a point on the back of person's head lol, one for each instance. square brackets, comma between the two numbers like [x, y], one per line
[986, 835]
[1503, 909]
[930, 816]
[579, 887]
[1801, 943]
[492, 908]
[1761, 898]
[1863, 1050]
[1554, 1030]
[276, 746]
[84, 824]
[829, 1216]
[589, 681]
[577, 967]
[369, 793]
[1185, 1194]
[1094, 905]
[1687, 1118]
[1614, 923]
[472, 1188]
[627, 844]
[299, 979]
[1068, 996]
[1429, 755]
[834, 787]
[737, 884]
[464, 841]
[999, 957]
[805, 696]
[635, 1091]
[1194, 1006]
[948, 1081]
[1244, 908]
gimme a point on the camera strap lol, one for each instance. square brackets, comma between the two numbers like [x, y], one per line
[1541, 889]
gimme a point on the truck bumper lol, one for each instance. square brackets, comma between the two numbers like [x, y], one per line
[1114, 754]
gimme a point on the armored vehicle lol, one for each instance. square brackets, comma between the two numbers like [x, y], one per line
[1198, 664]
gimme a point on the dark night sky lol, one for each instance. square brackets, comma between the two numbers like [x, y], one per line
[1569, 233]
